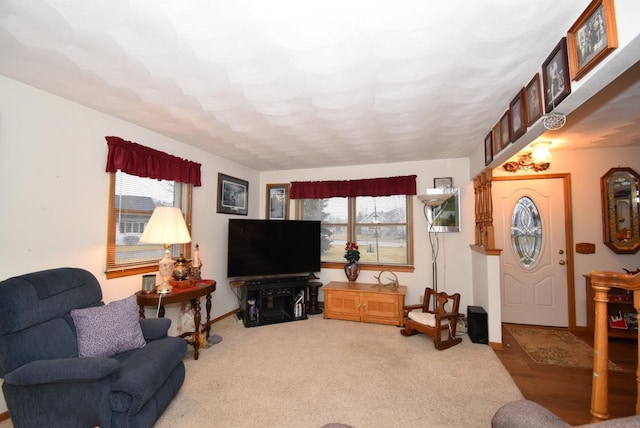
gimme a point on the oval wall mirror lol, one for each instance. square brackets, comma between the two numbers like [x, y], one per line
[620, 215]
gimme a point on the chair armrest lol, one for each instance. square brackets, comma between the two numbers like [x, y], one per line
[409, 308]
[89, 369]
[525, 414]
[154, 328]
[449, 315]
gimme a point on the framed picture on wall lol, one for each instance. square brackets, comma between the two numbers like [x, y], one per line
[533, 100]
[277, 206]
[488, 148]
[497, 139]
[443, 182]
[517, 116]
[555, 76]
[593, 36]
[505, 133]
[233, 195]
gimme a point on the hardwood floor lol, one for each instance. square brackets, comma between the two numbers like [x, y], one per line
[567, 391]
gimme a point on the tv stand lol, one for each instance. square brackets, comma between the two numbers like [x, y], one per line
[274, 300]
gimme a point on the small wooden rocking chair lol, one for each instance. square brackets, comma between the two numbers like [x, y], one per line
[435, 323]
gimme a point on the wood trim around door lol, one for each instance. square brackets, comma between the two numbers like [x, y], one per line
[568, 227]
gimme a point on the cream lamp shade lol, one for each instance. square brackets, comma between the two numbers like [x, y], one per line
[435, 199]
[166, 226]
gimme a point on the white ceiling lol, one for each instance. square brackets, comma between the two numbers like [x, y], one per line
[283, 84]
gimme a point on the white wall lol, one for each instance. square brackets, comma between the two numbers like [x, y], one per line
[619, 60]
[454, 273]
[586, 167]
[54, 192]
[486, 292]
[626, 55]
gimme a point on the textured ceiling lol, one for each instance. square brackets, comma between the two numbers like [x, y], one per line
[290, 84]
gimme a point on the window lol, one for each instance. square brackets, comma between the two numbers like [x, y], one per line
[132, 200]
[381, 226]
[526, 231]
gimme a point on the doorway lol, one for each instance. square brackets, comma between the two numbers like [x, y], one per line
[532, 220]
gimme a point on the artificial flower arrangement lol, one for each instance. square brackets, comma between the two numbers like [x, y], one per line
[352, 254]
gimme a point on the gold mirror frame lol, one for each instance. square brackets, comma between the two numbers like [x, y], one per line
[620, 215]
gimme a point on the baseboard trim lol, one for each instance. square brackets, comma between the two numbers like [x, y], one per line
[223, 316]
[496, 346]
[4, 416]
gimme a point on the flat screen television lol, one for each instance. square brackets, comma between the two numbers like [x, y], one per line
[273, 247]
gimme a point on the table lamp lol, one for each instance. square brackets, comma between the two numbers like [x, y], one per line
[166, 226]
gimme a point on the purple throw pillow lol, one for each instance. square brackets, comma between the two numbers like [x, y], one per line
[108, 330]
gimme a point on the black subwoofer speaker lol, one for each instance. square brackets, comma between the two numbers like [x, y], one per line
[477, 324]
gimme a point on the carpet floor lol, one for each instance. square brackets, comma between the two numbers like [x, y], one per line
[314, 372]
[310, 373]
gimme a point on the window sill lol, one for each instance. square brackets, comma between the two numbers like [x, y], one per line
[369, 266]
[130, 271]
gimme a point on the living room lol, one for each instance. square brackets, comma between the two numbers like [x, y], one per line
[55, 193]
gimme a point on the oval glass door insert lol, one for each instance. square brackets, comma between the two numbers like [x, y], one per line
[526, 231]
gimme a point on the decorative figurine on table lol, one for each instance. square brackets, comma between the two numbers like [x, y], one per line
[180, 276]
[393, 281]
[180, 270]
[196, 265]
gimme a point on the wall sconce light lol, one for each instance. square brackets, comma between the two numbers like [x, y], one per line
[538, 160]
[541, 153]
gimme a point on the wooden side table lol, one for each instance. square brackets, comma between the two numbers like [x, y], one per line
[314, 306]
[202, 287]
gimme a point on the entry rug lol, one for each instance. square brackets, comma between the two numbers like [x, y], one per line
[555, 347]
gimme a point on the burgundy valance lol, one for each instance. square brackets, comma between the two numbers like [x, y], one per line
[142, 161]
[405, 185]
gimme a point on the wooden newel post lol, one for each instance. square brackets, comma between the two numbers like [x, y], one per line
[636, 305]
[600, 383]
[601, 282]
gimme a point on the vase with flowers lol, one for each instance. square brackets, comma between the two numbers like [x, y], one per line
[352, 268]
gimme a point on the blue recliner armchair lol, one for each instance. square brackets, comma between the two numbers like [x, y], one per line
[46, 383]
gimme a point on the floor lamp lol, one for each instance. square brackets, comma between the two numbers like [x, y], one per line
[434, 200]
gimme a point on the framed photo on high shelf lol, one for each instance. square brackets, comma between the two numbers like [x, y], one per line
[497, 139]
[533, 100]
[505, 132]
[592, 37]
[488, 148]
[555, 76]
[518, 116]
[233, 195]
[277, 202]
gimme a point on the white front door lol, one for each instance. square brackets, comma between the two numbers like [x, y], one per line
[529, 220]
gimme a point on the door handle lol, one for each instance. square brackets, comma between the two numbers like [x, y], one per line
[562, 263]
